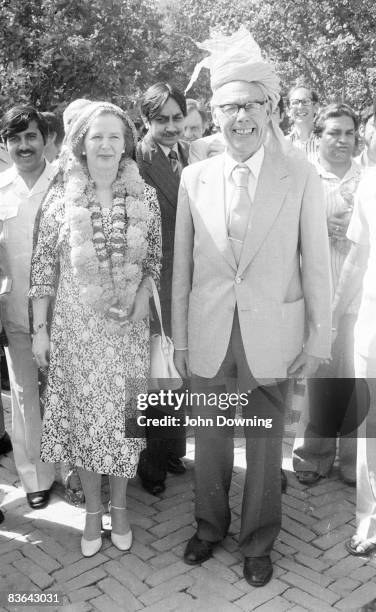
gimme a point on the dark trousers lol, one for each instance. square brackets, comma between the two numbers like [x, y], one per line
[261, 508]
[161, 443]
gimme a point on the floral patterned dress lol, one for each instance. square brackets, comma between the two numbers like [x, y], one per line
[94, 377]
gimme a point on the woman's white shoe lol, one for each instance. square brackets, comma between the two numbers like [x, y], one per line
[90, 547]
[121, 541]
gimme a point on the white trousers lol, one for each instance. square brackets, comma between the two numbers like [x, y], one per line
[366, 456]
[26, 420]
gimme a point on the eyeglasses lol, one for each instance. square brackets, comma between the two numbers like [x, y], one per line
[304, 102]
[231, 110]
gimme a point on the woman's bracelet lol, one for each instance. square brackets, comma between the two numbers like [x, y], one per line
[185, 348]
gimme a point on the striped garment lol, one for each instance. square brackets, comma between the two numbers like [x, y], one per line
[310, 147]
[338, 196]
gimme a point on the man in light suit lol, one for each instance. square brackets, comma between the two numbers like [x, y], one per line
[161, 156]
[250, 301]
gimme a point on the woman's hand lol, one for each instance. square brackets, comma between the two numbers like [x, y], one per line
[140, 308]
[41, 348]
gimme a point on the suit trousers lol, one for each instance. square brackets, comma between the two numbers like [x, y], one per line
[366, 456]
[214, 455]
[26, 419]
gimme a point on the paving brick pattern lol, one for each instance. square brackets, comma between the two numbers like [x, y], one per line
[40, 551]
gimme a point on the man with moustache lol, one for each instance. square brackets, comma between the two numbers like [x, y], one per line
[331, 404]
[24, 132]
[251, 295]
[161, 157]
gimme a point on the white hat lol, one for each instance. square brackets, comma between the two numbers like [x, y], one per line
[237, 58]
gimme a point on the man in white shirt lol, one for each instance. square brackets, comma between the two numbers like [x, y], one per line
[331, 404]
[303, 105]
[250, 298]
[367, 158]
[358, 275]
[24, 132]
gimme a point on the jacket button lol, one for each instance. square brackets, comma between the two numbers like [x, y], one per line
[238, 280]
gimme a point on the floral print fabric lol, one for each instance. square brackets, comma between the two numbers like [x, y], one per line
[94, 377]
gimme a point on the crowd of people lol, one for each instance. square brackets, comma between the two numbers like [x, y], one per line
[258, 243]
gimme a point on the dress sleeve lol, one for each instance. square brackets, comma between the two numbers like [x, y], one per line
[44, 263]
[152, 261]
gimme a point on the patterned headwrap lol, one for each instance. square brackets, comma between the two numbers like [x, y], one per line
[82, 121]
[72, 110]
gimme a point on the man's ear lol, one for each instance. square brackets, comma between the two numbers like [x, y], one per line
[146, 122]
[51, 138]
[269, 107]
[215, 117]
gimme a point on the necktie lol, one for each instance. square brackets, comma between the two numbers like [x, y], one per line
[240, 207]
[174, 161]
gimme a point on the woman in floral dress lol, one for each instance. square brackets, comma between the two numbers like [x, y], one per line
[100, 225]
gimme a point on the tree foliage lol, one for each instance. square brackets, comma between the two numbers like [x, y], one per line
[330, 45]
[56, 50]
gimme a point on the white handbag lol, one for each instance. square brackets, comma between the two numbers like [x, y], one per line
[163, 373]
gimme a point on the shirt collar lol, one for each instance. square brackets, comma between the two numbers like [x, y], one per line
[11, 176]
[166, 150]
[352, 172]
[254, 163]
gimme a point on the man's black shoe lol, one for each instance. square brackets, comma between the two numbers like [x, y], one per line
[283, 482]
[154, 488]
[197, 551]
[257, 570]
[38, 500]
[175, 465]
[5, 444]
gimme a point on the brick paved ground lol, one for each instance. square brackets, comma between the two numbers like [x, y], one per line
[40, 551]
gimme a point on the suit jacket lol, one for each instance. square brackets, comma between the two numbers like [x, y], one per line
[282, 284]
[199, 149]
[156, 170]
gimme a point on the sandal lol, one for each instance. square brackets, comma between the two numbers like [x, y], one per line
[366, 547]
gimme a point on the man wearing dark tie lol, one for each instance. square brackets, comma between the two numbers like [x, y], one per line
[161, 157]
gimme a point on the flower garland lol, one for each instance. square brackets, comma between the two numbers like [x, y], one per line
[108, 275]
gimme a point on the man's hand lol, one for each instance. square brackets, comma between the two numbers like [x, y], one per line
[41, 348]
[304, 366]
[338, 224]
[140, 308]
[181, 363]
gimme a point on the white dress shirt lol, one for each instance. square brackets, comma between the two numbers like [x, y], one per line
[254, 163]
[18, 208]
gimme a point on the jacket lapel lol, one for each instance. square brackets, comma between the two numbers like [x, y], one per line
[272, 186]
[157, 168]
[211, 205]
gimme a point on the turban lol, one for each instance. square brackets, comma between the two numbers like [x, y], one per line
[237, 58]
